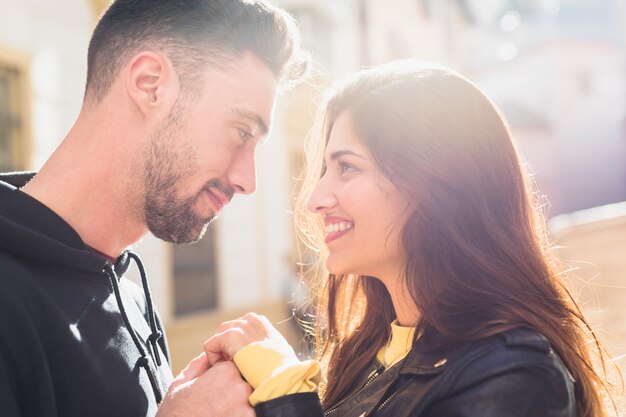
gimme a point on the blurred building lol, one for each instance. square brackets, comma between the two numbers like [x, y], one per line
[557, 70]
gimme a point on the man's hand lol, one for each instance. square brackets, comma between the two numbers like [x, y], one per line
[234, 335]
[204, 391]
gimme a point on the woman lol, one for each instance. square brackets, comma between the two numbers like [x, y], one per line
[443, 298]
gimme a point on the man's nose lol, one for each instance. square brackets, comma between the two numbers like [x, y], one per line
[242, 173]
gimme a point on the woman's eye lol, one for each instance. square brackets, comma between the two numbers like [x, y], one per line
[346, 167]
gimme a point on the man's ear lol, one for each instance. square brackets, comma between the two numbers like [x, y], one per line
[151, 83]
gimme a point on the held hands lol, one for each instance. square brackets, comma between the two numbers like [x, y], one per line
[201, 390]
[211, 385]
[234, 335]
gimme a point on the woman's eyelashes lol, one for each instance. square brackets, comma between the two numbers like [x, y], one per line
[346, 167]
[338, 167]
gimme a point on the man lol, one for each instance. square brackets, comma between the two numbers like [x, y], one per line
[178, 95]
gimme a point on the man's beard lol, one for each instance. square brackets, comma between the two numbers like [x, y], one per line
[174, 220]
[167, 164]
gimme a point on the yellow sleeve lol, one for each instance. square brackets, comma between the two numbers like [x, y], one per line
[273, 370]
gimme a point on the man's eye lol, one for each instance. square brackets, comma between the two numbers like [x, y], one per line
[244, 135]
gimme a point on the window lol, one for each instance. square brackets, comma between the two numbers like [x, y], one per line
[195, 276]
[12, 137]
[316, 29]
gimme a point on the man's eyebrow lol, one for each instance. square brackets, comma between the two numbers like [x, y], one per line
[339, 154]
[259, 124]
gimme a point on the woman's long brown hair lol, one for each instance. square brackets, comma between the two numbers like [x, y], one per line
[477, 257]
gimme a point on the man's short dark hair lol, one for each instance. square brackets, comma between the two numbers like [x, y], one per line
[193, 34]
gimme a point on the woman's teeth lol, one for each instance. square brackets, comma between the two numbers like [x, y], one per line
[338, 227]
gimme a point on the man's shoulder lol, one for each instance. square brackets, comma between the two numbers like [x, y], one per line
[16, 285]
[18, 302]
[12, 272]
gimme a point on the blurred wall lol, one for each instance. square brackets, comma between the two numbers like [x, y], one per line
[593, 243]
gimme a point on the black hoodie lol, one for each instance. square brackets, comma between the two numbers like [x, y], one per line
[75, 338]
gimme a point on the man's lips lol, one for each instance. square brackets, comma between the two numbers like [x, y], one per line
[218, 201]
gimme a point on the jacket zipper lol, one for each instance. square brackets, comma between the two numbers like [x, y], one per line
[384, 403]
[329, 412]
[370, 378]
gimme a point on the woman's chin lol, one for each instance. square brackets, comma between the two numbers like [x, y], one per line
[335, 267]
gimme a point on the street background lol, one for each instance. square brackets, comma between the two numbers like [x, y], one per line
[557, 69]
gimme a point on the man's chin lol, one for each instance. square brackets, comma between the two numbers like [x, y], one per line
[188, 237]
[198, 236]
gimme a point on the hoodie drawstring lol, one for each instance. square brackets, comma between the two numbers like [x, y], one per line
[156, 334]
[143, 362]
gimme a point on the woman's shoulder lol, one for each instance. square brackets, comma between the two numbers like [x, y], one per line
[523, 348]
[514, 373]
[508, 349]
[509, 367]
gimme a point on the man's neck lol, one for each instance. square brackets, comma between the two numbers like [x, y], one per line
[87, 187]
[96, 251]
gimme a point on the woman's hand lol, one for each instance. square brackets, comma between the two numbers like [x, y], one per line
[234, 335]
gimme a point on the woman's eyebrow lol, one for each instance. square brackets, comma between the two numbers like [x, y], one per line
[338, 154]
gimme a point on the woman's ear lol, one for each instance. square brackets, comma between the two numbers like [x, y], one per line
[151, 83]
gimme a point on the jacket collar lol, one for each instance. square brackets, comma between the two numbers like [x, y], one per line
[430, 355]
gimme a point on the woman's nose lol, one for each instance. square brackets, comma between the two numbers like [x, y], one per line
[321, 199]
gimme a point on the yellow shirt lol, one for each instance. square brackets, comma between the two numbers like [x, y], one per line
[273, 369]
[398, 347]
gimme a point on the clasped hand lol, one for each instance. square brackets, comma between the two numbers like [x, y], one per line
[211, 385]
[232, 336]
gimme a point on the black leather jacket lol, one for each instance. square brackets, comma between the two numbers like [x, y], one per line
[512, 374]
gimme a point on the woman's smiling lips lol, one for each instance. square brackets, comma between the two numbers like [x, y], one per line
[336, 227]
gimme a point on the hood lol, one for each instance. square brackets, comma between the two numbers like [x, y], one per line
[31, 230]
